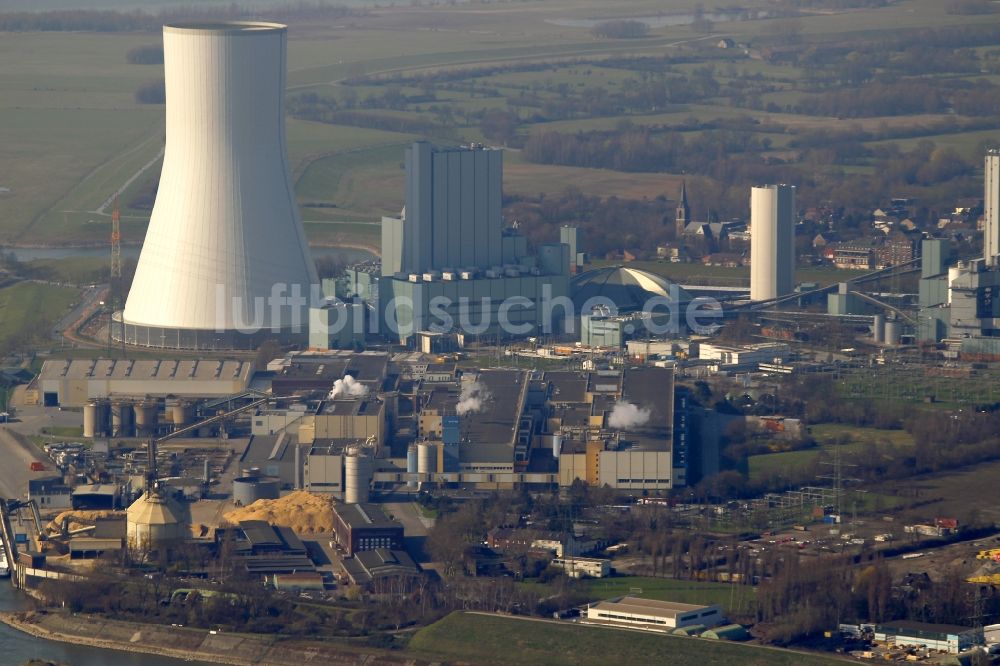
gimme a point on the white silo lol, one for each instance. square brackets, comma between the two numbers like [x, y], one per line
[772, 241]
[225, 245]
[357, 477]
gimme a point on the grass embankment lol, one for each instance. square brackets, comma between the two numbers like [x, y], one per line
[29, 309]
[728, 596]
[485, 639]
[850, 441]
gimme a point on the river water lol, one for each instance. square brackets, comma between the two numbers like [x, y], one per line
[17, 647]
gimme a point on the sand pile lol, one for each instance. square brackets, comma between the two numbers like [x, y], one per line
[304, 512]
[78, 519]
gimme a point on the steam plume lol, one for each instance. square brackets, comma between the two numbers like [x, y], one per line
[625, 415]
[471, 399]
[347, 387]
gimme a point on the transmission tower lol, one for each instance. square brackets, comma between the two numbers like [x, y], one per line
[838, 478]
[115, 286]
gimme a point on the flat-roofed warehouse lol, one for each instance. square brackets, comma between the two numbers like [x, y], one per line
[652, 614]
[74, 382]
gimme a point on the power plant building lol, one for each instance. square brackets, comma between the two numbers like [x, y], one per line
[991, 208]
[448, 262]
[772, 241]
[225, 256]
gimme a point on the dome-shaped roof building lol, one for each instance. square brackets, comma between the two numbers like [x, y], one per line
[630, 289]
[155, 520]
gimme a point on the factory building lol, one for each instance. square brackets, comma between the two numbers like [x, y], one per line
[944, 637]
[772, 241]
[653, 615]
[369, 565]
[360, 527]
[573, 237]
[225, 246]
[447, 261]
[616, 429]
[75, 382]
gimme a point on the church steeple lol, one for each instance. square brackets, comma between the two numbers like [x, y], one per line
[683, 216]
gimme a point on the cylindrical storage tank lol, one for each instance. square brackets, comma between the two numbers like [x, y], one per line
[182, 414]
[249, 489]
[892, 333]
[878, 328]
[556, 446]
[146, 417]
[357, 478]
[426, 458]
[95, 419]
[224, 190]
[122, 420]
[411, 465]
[772, 241]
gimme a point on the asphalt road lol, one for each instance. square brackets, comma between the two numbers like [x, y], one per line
[16, 457]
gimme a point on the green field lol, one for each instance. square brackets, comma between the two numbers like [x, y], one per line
[29, 309]
[731, 597]
[487, 639]
[73, 134]
[829, 437]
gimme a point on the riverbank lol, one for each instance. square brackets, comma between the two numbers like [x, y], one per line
[193, 644]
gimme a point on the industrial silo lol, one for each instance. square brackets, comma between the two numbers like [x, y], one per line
[155, 520]
[146, 417]
[122, 424]
[878, 328]
[95, 419]
[556, 446]
[182, 414]
[357, 477]
[426, 458]
[892, 332]
[225, 232]
[249, 489]
[411, 465]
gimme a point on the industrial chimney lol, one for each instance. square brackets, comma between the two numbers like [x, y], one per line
[225, 247]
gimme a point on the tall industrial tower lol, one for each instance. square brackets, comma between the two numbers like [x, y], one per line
[991, 209]
[225, 263]
[772, 241]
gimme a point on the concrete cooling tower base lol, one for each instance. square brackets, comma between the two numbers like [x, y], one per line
[156, 337]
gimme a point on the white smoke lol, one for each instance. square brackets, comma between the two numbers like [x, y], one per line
[472, 397]
[625, 415]
[347, 387]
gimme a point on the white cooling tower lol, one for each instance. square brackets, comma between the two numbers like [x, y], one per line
[772, 241]
[225, 237]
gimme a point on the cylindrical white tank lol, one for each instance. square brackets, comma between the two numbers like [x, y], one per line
[772, 241]
[146, 414]
[878, 328]
[225, 228]
[556, 446]
[95, 419]
[182, 414]
[411, 465]
[426, 458]
[357, 478]
[892, 333]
